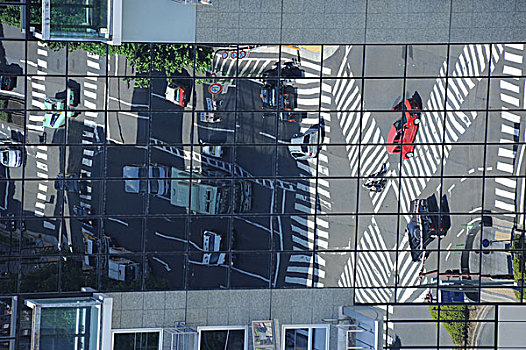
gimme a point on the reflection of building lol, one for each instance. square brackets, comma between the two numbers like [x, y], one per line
[112, 21]
[95, 20]
[8, 308]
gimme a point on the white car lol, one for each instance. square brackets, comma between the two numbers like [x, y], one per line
[135, 179]
[306, 146]
[213, 151]
[11, 158]
[211, 247]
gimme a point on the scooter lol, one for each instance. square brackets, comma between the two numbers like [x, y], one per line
[376, 182]
[375, 185]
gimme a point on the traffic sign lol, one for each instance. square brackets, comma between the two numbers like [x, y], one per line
[214, 89]
[224, 55]
[242, 54]
[233, 54]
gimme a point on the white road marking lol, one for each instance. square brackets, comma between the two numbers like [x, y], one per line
[118, 221]
[165, 264]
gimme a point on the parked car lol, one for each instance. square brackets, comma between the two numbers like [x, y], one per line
[307, 146]
[176, 93]
[55, 116]
[403, 132]
[11, 158]
[7, 82]
[211, 248]
[428, 222]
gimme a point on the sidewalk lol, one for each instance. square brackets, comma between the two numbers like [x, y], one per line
[359, 21]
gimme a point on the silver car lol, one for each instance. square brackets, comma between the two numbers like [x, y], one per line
[211, 248]
[135, 179]
[11, 158]
[306, 146]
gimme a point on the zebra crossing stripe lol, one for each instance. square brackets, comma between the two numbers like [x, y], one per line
[505, 206]
[506, 85]
[512, 100]
[506, 181]
[298, 280]
[507, 153]
[512, 57]
[508, 70]
[509, 116]
[90, 94]
[505, 194]
[93, 64]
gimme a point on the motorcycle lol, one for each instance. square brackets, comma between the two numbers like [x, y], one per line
[376, 182]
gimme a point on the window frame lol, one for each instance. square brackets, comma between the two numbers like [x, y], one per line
[222, 328]
[327, 328]
[137, 330]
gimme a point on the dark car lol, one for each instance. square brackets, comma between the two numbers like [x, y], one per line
[7, 82]
[428, 221]
[280, 96]
[70, 183]
[403, 132]
[289, 70]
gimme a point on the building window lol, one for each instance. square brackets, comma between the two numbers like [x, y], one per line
[306, 337]
[223, 338]
[137, 339]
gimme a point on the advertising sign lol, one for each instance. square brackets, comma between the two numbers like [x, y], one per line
[264, 335]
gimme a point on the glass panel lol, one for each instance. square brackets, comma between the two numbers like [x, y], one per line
[319, 339]
[136, 341]
[222, 339]
[297, 339]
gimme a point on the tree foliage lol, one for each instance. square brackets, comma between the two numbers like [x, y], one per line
[454, 319]
[519, 264]
[169, 59]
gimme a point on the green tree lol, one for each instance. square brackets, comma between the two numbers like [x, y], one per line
[10, 14]
[169, 59]
[454, 319]
[519, 264]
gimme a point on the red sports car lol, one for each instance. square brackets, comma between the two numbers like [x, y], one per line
[176, 93]
[403, 132]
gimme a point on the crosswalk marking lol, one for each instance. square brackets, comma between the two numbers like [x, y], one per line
[506, 152]
[510, 88]
[503, 205]
[506, 181]
[506, 194]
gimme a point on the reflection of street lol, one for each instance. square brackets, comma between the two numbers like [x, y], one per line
[309, 210]
[416, 181]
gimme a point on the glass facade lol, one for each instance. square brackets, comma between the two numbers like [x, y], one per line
[394, 170]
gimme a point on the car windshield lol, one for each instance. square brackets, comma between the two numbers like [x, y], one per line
[5, 157]
[398, 136]
[306, 138]
[54, 117]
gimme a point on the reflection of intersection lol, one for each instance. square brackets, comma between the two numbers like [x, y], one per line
[306, 192]
[474, 61]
